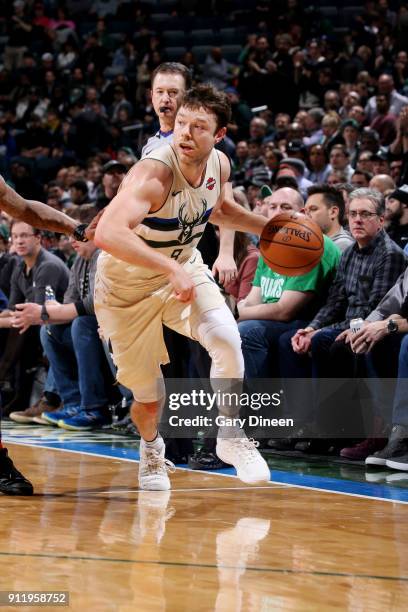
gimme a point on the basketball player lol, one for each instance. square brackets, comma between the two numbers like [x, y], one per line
[36, 214]
[152, 274]
[169, 83]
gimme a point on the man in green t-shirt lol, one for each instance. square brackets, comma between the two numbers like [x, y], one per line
[278, 303]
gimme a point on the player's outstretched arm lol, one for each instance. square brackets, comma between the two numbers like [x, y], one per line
[227, 213]
[34, 213]
[144, 190]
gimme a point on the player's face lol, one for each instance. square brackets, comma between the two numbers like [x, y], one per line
[195, 134]
[167, 92]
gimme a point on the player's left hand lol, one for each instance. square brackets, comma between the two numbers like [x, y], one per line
[90, 230]
[226, 269]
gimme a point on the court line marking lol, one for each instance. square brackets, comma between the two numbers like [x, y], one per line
[295, 486]
[173, 490]
[271, 570]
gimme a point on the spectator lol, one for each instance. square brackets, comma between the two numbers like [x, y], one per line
[386, 86]
[367, 270]
[340, 161]
[361, 178]
[299, 168]
[318, 166]
[278, 303]
[71, 342]
[36, 270]
[396, 215]
[78, 192]
[382, 183]
[350, 130]
[325, 205]
[216, 69]
[384, 341]
[384, 122]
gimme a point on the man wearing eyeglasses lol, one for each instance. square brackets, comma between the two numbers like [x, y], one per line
[367, 270]
[37, 269]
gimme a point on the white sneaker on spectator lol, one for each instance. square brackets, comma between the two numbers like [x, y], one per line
[243, 454]
[153, 467]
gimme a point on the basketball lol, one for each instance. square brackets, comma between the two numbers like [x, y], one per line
[291, 244]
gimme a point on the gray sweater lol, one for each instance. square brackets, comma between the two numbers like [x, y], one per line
[392, 301]
[80, 289]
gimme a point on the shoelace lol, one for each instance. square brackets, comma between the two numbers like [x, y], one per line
[156, 463]
[250, 445]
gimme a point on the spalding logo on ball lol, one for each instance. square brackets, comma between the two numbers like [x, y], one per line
[291, 244]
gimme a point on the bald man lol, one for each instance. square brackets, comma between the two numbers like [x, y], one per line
[382, 183]
[278, 303]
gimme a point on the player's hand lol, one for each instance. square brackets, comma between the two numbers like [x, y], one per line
[302, 341]
[226, 269]
[25, 316]
[183, 285]
[90, 230]
[364, 340]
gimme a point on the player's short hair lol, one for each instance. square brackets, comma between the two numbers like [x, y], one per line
[331, 197]
[173, 68]
[208, 97]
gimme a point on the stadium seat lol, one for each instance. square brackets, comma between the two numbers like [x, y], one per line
[205, 37]
[175, 38]
[174, 54]
[201, 52]
[231, 52]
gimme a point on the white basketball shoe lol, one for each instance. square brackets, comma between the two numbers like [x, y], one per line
[243, 454]
[153, 467]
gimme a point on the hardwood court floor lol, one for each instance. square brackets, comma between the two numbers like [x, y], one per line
[212, 543]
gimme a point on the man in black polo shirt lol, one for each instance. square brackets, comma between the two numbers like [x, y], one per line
[37, 270]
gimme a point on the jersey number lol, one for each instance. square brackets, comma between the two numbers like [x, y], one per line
[176, 253]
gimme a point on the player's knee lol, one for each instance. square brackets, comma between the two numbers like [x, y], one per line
[224, 347]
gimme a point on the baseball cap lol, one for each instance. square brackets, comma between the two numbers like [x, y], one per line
[266, 191]
[293, 162]
[260, 176]
[4, 232]
[381, 155]
[400, 194]
[114, 165]
[296, 146]
[350, 123]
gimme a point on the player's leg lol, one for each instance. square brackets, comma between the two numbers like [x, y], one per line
[211, 323]
[136, 337]
[218, 332]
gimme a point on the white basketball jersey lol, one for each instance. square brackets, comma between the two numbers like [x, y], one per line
[176, 228]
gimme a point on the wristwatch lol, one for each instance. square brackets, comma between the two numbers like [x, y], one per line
[45, 317]
[392, 326]
[79, 232]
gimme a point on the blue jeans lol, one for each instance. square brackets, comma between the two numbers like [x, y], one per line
[76, 358]
[314, 396]
[386, 359]
[260, 342]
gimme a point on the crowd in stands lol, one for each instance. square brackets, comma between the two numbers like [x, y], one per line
[319, 125]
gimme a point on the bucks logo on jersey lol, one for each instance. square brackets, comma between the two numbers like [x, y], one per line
[187, 224]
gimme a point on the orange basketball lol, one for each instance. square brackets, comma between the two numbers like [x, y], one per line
[291, 244]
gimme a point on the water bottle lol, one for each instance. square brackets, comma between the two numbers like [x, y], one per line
[49, 294]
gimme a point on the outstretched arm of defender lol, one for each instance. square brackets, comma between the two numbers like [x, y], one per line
[143, 190]
[227, 213]
[34, 213]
